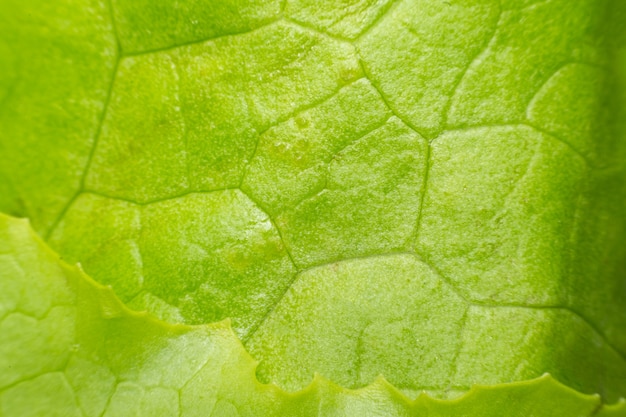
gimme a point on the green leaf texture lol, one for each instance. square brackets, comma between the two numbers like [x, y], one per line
[70, 348]
[433, 191]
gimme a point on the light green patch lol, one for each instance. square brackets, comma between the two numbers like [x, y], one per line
[490, 332]
[344, 18]
[582, 132]
[227, 262]
[373, 187]
[377, 326]
[498, 212]
[522, 56]
[292, 159]
[418, 53]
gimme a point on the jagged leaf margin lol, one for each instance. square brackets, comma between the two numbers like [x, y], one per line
[69, 347]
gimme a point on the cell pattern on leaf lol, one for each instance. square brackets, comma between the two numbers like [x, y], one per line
[395, 182]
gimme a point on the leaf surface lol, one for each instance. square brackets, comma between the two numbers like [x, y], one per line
[428, 190]
[82, 353]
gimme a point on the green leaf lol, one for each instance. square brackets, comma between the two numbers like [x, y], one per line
[428, 190]
[70, 348]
